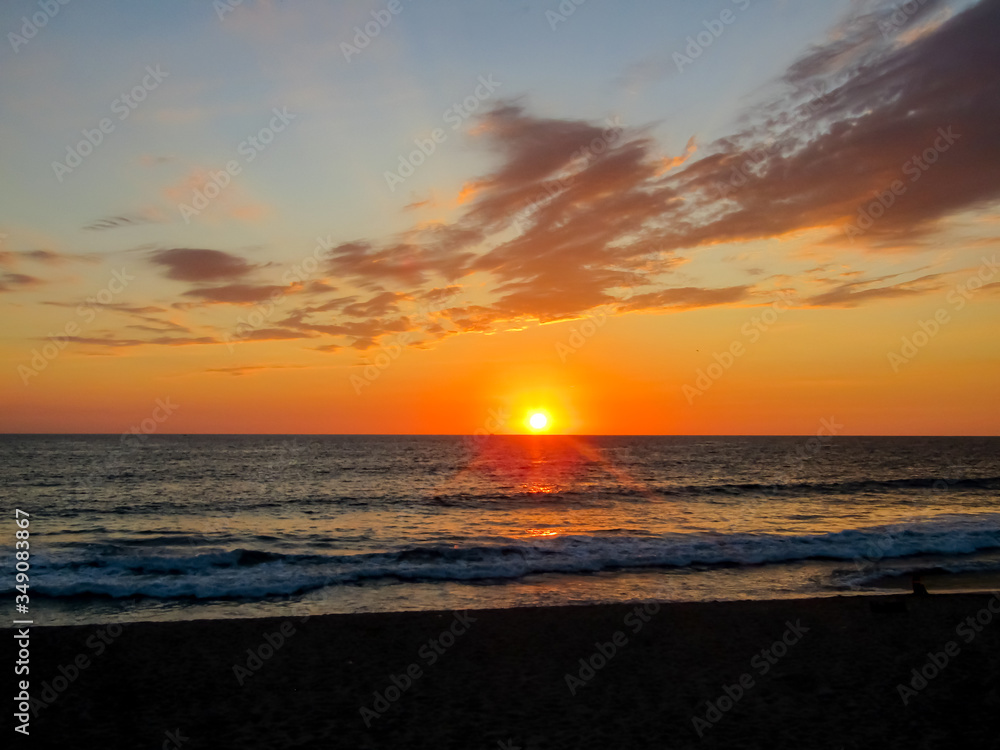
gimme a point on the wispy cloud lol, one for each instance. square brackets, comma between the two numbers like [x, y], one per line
[250, 369]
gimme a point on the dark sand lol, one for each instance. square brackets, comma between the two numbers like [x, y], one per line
[502, 683]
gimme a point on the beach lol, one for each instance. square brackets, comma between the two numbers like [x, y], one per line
[833, 672]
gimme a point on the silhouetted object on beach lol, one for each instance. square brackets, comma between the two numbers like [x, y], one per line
[918, 588]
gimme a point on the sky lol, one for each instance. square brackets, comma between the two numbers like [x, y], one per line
[725, 217]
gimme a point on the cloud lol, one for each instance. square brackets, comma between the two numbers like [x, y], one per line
[685, 298]
[231, 203]
[151, 160]
[364, 334]
[327, 348]
[596, 212]
[854, 293]
[402, 262]
[189, 264]
[576, 215]
[134, 309]
[669, 162]
[875, 108]
[238, 294]
[275, 334]
[148, 313]
[13, 258]
[125, 220]
[379, 305]
[645, 72]
[246, 369]
[116, 343]
[16, 282]
[429, 202]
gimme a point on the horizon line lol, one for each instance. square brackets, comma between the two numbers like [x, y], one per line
[474, 435]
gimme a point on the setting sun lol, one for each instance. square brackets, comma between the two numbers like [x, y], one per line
[538, 421]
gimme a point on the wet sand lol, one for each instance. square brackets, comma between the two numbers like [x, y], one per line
[818, 673]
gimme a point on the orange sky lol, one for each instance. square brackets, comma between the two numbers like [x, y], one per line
[645, 246]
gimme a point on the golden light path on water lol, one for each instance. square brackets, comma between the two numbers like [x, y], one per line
[541, 467]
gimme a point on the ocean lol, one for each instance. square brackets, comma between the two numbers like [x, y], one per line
[171, 527]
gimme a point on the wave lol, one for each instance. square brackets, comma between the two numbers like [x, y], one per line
[172, 572]
[877, 576]
[839, 488]
[256, 496]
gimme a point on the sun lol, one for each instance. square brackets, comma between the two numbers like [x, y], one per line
[538, 421]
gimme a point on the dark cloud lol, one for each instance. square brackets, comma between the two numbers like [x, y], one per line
[576, 215]
[685, 298]
[441, 293]
[883, 104]
[403, 263]
[189, 264]
[16, 282]
[237, 294]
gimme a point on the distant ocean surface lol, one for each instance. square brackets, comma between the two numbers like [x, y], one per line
[188, 527]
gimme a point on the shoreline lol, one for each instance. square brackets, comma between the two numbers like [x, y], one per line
[818, 672]
[948, 585]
